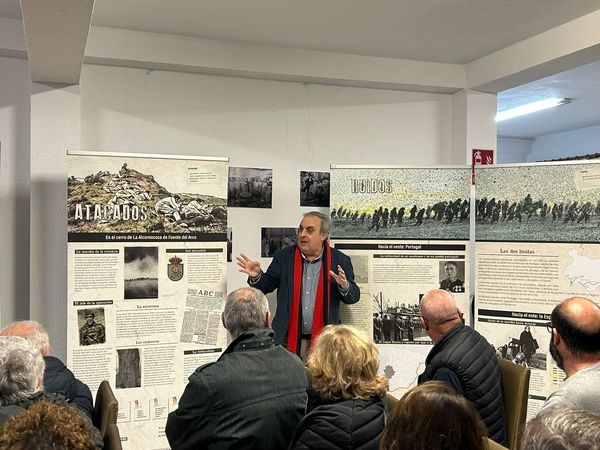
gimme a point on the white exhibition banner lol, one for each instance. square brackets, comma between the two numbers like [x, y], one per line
[147, 275]
[407, 232]
[537, 235]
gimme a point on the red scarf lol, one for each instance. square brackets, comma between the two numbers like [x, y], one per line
[321, 311]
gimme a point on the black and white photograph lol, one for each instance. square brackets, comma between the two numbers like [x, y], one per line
[92, 326]
[274, 239]
[541, 203]
[250, 188]
[141, 273]
[400, 203]
[314, 189]
[452, 276]
[396, 322]
[229, 244]
[522, 347]
[129, 369]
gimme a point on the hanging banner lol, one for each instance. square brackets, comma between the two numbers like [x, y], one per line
[536, 245]
[407, 232]
[147, 274]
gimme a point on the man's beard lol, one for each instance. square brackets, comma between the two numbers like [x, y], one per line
[556, 355]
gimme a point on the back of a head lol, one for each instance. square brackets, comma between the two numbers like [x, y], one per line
[21, 369]
[577, 320]
[433, 416]
[47, 426]
[343, 365]
[562, 429]
[438, 306]
[31, 330]
[245, 309]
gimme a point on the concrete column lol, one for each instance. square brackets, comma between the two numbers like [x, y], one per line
[55, 128]
[473, 124]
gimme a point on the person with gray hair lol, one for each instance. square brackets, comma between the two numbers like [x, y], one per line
[21, 374]
[58, 378]
[562, 429]
[311, 279]
[464, 359]
[252, 397]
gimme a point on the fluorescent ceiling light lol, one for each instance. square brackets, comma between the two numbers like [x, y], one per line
[530, 108]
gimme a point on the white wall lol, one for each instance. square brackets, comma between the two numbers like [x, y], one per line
[571, 143]
[513, 150]
[283, 126]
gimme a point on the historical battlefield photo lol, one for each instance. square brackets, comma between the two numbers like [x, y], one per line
[542, 203]
[400, 204]
[274, 239]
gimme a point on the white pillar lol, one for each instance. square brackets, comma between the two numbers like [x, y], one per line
[473, 124]
[55, 128]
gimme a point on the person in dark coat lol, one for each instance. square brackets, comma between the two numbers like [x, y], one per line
[463, 358]
[252, 397]
[346, 409]
[58, 379]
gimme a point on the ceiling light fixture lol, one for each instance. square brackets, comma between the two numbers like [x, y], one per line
[531, 107]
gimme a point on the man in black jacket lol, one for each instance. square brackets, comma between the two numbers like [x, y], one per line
[252, 397]
[58, 379]
[463, 358]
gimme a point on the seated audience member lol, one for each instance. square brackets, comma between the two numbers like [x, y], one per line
[58, 378]
[346, 410]
[433, 416]
[463, 358]
[562, 429]
[21, 381]
[252, 397]
[575, 346]
[47, 426]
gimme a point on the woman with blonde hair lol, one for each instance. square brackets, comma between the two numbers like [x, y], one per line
[433, 416]
[346, 408]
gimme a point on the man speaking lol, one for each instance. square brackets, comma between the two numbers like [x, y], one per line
[311, 279]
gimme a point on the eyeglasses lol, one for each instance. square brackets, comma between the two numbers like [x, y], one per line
[549, 327]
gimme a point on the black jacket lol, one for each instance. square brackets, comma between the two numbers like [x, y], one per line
[345, 425]
[469, 355]
[58, 379]
[252, 397]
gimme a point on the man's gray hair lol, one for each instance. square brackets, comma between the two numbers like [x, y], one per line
[31, 330]
[21, 369]
[438, 306]
[245, 308]
[562, 429]
[322, 217]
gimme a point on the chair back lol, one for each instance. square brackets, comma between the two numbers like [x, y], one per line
[494, 445]
[106, 408]
[112, 438]
[515, 389]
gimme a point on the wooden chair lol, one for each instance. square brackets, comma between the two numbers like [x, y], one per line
[515, 389]
[112, 438]
[106, 408]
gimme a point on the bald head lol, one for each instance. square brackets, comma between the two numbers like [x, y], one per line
[438, 306]
[439, 313]
[577, 321]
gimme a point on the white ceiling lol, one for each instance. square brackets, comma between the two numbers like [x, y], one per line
[441, 31]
